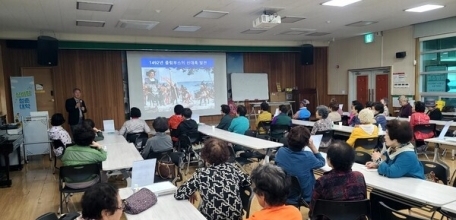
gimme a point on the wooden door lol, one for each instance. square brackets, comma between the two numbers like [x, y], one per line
[44, 87]
[381, 87]
[362, 88]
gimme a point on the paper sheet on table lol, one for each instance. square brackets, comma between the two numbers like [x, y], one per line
[277, 112]
[143, 173]
[341, 106]
[316, 140]
[108, 126]
[367, 169]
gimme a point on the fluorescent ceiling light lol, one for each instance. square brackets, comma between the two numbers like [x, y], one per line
[340, 3]
[187, 28]
[318, 34]
[94, 6]
[90, 23]
[424, 8]
[210, 14]
[135, 24]
[294, 32]
[361, 23]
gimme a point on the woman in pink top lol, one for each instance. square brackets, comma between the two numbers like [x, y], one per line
[419, 117]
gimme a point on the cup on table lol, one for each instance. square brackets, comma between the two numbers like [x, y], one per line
[259, 111]
[340, 123]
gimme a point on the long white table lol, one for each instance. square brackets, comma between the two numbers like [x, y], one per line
[240, 139]
[437, 122]
[422, 191]
[121, 154]
[343, 129]
[167, 207]
[450, 207]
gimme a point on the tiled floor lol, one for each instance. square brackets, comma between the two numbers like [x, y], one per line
[35, 191]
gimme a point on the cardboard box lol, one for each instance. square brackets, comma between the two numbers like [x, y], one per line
[277, 97]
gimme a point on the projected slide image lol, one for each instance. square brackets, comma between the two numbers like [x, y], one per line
[170, 81]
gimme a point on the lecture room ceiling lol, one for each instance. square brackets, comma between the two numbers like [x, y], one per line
[60, 16]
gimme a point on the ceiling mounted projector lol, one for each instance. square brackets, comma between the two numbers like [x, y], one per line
[266, 21]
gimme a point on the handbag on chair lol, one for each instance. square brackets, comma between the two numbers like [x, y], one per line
[140, 201]
[166, 167]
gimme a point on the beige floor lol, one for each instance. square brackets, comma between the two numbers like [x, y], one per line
[35, 192]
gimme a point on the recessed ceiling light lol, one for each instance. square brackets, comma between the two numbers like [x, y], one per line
[361, 23]
[317, 34]
[253, 31]
[424, 8]
[340, 3]
[294, 32]
[94, 6]
[135, 24]
[187, 28]
[90, 23]
[291, 19]
[210, 14]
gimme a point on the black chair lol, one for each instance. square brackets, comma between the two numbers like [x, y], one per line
[362, 157]
[48, 216]
[265, 126]
[366, 143]
[345, 120]
[138, 139]
[326, 139]
[279, 131]
[425, 129]
[341, 210]
[239, 161]
[251, 133]
[440, 171]
[185, 145]
[391, 214]
[77, 174]
[246, 198]
[56, 144]
[178, 159]
[296, 191]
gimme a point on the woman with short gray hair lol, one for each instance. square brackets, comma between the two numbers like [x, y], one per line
[272, 186]
[323, 123]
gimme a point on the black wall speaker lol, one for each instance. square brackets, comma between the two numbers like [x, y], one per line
[307, 54]
[401, 54]
[47, 49]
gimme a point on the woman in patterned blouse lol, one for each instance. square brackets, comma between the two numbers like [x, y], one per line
[323, 123]
[219, 183]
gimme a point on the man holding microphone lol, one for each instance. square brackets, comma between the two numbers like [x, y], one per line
[76, 108]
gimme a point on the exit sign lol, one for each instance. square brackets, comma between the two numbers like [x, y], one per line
[369, 38]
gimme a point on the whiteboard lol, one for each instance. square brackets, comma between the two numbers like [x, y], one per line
[249, 86]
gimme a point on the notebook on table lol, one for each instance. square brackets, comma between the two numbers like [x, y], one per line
[108, 126]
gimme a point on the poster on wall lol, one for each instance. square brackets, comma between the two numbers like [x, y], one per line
[436, 82]
[23, 96]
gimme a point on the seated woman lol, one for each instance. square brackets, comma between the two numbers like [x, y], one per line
[406, 109]
[341, 183]
[323, 123]
[379, 116]
[365, 130]
[355, 110]
[296, 161]
[353, 113]
[401, 161]
[100, 202]
[433, 112]
[418, 118]
[159, 143]
[303, 113]
[240, 124]
[175, 120]
[85, 151]
[134, 126]
[225, 122]
[334, 114]
[219, 183]
[98, 133]
[333, 102]
[282, 118]
[272, 186]
[57, 132]
[264, 115]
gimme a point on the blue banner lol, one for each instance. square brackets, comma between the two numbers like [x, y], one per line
[23, 96]
[193, 63]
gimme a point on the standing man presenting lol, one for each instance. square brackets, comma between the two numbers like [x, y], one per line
[76, 108]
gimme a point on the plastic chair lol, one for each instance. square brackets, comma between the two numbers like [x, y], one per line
[327, 137]
[48, 216]
[178, 159]
[279, 131]
[265, 126]
[341, 210]
[362, 157]
[185, 145]
[56, 144]
[77, 174]
[295, 190]
[440, 171]
[391, 214]
[138, 139]
[366, 143]
[246, 198]
[425, 129]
